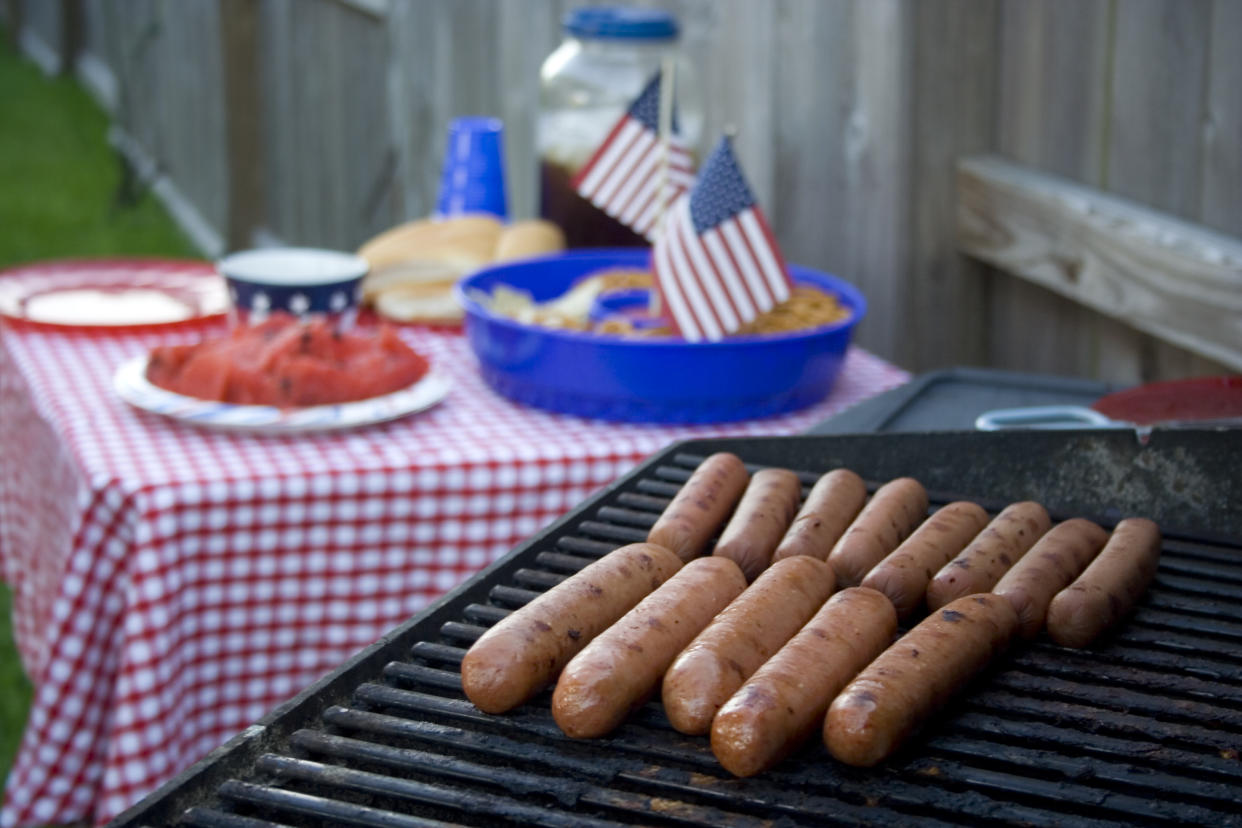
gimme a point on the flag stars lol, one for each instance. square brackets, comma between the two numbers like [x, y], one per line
[722, 192]
[717, 266]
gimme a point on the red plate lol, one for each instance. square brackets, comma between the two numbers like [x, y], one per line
[1201, 398]
[111, 294]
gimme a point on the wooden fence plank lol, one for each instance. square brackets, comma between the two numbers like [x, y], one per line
[373, 190]
[306, 142]
[809, 123]
[239, 42]
[718, 39]
[413, 82]
[39, 34]
[954, 96]
[1052, 107]
[1179, 281]
[276, 81]
[1222, 132]
[13, 20]
[526, 35]
[1158, 82]
[1051, 113]
[72, 34]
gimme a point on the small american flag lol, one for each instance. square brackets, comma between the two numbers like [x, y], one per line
[717, 265]
[627, 177]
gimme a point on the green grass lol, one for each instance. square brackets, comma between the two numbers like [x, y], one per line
[61, 195]
[60, 183]
[14, 689]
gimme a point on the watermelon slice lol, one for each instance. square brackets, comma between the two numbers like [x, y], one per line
[286, 362]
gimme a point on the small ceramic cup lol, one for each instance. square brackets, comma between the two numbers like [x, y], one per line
[303, 281]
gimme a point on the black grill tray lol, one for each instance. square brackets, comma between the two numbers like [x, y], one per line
[1143, 728]
[952, 398]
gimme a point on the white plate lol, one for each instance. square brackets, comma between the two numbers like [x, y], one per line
[131, 384]
[112, 294]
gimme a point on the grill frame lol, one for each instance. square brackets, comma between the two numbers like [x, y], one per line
[1182, 479]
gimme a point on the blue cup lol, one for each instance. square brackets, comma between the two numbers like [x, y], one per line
[473, 176]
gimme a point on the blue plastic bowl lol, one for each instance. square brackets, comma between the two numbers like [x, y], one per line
[649, 379]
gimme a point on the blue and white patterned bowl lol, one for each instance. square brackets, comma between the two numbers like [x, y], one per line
[303, 281]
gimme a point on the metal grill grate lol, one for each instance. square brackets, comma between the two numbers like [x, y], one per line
[1142, 729]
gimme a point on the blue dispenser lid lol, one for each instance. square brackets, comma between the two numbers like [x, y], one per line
[620, 23]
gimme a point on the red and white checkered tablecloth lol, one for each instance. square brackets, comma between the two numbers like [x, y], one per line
[171, 585]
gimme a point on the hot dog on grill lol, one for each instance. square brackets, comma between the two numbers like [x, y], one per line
[1109, 587]
[766, 509]
[619, 670]
[904, 575]
[989, 556]
[888, 518]
[700, 506]
[783, 703]
[741, 638]
[893, 696]
[834, 501]
[522, 653]
[1053, 563]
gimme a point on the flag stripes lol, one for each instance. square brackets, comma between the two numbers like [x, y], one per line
[717, 265]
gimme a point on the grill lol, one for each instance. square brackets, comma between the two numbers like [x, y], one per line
[1143, 728]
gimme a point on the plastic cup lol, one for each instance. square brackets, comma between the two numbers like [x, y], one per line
[472, 179]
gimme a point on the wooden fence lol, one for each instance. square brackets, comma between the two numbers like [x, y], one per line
[862, 126]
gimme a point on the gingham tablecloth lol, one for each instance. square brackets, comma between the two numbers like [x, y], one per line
[171, 585]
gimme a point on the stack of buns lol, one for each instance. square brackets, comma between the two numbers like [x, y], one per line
[415, 265]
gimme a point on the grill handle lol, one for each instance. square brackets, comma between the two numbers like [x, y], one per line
[1046, 417]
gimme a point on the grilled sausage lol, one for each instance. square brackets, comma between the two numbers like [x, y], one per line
[1053, 563]
[989, 556]
[523, 652]
[1110, 586]
[783, 703]
[896, 693]
[741, 639]
[834, 501]
[618, 671]
[904, 575]
[767, 508]
[888, 518]
[700, 506]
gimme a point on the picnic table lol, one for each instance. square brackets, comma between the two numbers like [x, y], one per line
[171, 583]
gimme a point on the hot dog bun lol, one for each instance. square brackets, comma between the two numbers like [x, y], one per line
[415, 265]
[524, 239]
[465, 241]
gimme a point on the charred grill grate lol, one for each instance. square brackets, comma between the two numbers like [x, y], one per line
[1144, 728]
